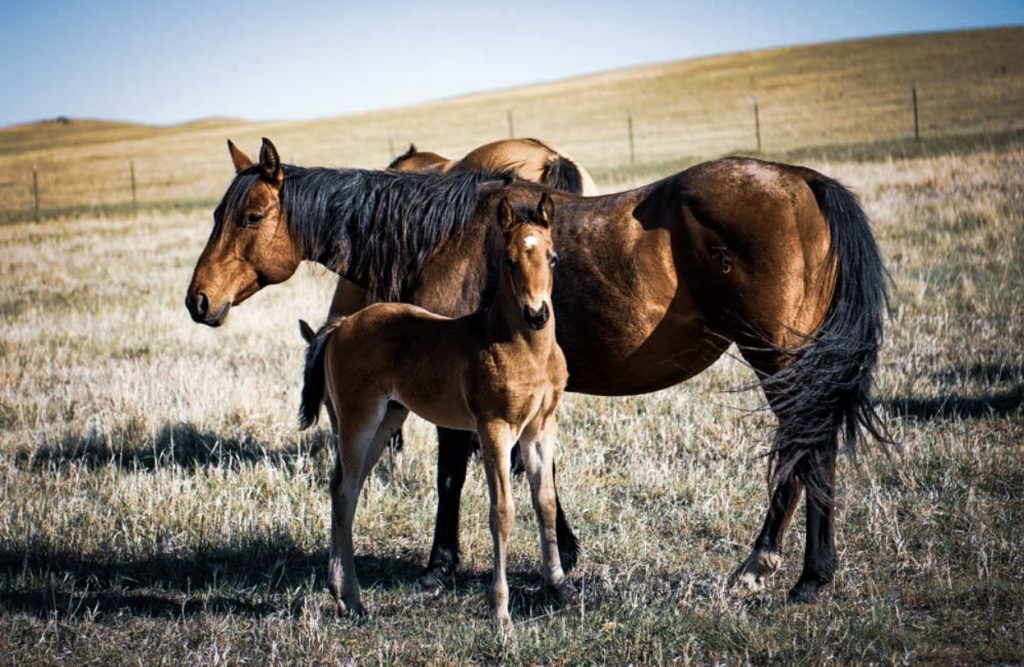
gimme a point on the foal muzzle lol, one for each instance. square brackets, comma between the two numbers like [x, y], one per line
[536, 319]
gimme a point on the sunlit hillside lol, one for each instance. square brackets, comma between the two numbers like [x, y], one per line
[839, 94]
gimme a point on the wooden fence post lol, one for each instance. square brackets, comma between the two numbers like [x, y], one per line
[632, 150]
[35, 189]
[131, 171]
[511, 126]
[757, 124]
[913, 98]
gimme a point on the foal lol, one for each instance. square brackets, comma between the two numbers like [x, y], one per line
[498, 372]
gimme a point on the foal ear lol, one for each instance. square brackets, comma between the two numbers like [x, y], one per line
[412, 149]
[545, 211]
[270, 163]
[238, 156]
[506, 216]
[306, 331]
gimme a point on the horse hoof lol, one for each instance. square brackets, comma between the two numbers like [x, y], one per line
[805, 592]
[753, 574]
[357, 613]
[563, 594]
[568, 559]
[433, 578]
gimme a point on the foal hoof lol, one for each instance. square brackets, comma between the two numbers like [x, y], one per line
[355, 611]
[805, 592]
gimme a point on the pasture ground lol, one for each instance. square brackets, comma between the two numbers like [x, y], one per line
[158, 505]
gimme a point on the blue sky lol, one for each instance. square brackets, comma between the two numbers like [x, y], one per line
[173, 62]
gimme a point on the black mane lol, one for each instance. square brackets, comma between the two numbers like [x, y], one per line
[378, 228]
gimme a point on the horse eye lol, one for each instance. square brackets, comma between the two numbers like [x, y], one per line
[253, 218]
[510, 263]
[553, 259]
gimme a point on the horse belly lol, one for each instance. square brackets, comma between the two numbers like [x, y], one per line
[679, 347]
[442, 404]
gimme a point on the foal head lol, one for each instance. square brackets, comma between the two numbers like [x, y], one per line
[414, 160]
[529, 258]
[250, 245]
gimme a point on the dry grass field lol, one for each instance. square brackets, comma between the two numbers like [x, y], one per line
[158, 505]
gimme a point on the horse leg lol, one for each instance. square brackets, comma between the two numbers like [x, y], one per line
[496, 442]
[818, 470]
[537, 448]
[766, 556]
[453, 452]
[815, 472]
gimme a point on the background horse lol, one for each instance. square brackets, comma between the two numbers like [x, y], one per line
[497, 372]
[655, 285]
[524, 159]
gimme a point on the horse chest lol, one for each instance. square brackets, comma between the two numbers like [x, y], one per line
[513, 387]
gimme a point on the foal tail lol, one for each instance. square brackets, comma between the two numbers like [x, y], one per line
[825, 393]
[563, 174]
[314, 377]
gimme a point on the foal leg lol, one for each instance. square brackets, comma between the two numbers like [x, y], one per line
[360, 446]
[496, 441]
[538, 445]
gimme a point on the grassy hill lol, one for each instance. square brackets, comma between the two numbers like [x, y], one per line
[851, 93]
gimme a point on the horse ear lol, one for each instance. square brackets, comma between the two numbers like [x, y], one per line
[546, 211]
[307, 331]
[270, 163]
[506, 216]
[241, 160]
[412, 149]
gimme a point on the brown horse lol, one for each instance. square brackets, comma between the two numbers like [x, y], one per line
[498, 372]
[655, 284]
[525, 159]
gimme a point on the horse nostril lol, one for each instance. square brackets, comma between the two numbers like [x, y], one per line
[202, 304]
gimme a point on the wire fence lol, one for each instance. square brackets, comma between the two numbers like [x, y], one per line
[661, 128]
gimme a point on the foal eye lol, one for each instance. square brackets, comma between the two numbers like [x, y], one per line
[553, 259]
[510, 263]
[253, 218]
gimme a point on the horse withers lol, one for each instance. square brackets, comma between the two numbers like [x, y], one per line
[498, 372]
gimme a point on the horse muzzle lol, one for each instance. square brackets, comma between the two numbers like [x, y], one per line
[536, 319]
[198, 305]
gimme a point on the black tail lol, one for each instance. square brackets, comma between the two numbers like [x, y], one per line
[826, 391]
[563, 174]
[314, 377]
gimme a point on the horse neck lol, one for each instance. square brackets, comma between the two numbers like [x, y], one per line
[506, 326]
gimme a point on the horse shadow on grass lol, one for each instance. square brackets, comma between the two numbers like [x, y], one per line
[1004, 394]
[258, 578]
[269, 577]
[181, 444]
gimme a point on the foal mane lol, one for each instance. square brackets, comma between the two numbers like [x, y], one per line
[378, 227]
